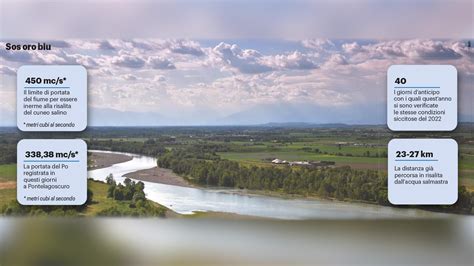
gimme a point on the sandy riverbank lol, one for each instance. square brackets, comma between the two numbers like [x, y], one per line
[103, 160]
[155, 174]
[160, 175]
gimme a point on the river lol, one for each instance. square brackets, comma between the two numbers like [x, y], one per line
[186, 200]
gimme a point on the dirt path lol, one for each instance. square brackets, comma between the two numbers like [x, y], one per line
[7, 185]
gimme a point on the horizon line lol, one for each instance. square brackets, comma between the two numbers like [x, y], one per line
[283, 124]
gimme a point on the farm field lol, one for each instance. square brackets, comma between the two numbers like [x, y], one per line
[201, 154]
[362, 155]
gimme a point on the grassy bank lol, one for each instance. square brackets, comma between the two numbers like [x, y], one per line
[99, 205]
[7, 172]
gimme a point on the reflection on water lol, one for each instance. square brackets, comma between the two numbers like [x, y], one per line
[188, 200]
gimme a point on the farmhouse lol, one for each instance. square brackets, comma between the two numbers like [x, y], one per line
[304, 163]
[278, 161]
[301, 163]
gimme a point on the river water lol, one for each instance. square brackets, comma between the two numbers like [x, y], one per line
[185, 200]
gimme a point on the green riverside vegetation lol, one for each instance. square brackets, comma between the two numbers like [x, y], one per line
[342, 183]
[99, 203]
[241, 157]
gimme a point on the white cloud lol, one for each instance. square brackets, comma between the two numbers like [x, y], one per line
[7, 70]
[185, 47]
[225, 78]
[105, 45]
[128, 61]
[160, 63]
[294, 60]
[336, 60]
[159, 78]
[321, 45]
[17, 56]
[351, 48]
[249, 61]
[129, 77]
[246, 61]
[412, 49]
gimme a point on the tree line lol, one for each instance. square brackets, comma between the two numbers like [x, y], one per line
[128, 200]
[130, 193]
[343, 183]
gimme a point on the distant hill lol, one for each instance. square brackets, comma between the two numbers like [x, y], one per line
[305, 125]
[269, 115]
[306, 113]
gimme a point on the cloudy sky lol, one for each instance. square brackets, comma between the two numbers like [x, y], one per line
[181, 81]
[229, 62]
